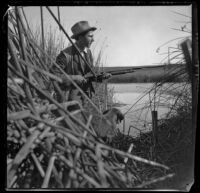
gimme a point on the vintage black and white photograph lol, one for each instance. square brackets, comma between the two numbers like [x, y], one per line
[101, 97]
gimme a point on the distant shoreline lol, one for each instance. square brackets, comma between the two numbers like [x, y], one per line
[148, 74]
[119, 104]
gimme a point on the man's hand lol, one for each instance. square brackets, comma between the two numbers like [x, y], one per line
[79, 79]
[106, 75]
[76, 78]
[100, 77]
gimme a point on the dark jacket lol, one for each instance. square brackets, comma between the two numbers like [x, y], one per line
[72, 63]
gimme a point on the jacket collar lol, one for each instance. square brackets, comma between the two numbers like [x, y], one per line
[75, 50]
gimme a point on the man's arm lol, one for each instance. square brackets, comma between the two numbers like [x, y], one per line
[64, 60]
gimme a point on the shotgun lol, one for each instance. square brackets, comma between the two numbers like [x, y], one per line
[102, 75]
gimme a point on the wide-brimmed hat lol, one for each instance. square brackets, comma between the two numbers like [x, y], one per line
[81, 27]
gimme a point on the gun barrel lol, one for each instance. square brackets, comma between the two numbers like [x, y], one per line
[118, 72]
[124, 72]
[121, 70]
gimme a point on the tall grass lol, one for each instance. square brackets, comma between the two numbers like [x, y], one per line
[54, 42]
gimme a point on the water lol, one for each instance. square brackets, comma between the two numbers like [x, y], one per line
[136, 100]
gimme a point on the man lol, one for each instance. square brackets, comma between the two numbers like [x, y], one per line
[72, 63]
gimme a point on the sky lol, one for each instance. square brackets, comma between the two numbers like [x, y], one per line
[128, 35]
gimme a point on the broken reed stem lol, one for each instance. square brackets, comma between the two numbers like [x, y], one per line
[21, 41]
[42, 27]
[29, 30]
[12, 182]
[38, 165]
[27, 35]
[26, 113]
[100, 166]
[78, 152]
[58, 8]
[48, 172]
[155, 181]
[88, 123]
[13, 56]
[134, 157]
[59, 128]
[129, 151]
[69, 122]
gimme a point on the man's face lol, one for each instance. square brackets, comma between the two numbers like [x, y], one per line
[87, 39]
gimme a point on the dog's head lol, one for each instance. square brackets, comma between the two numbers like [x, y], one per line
[114, 113]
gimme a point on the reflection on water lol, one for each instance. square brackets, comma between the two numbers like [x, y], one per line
[131, 87]
[138, 107]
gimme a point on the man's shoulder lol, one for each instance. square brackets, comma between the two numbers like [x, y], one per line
[69, 50]
[65, 53]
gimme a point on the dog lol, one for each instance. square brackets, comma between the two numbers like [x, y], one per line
[105, 125]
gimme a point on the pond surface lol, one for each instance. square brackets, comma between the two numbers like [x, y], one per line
[139, 102]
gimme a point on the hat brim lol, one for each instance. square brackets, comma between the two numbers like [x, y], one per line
[85, 31]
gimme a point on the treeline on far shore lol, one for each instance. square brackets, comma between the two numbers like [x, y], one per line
[164, 73]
